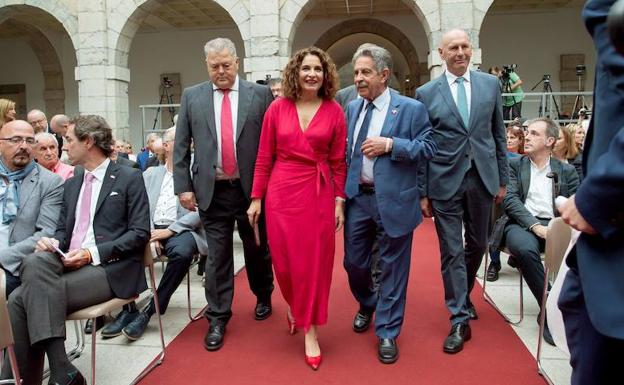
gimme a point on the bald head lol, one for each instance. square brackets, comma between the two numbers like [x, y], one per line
[37, 120]
[59, 124]
[456, 50]
[16, 152]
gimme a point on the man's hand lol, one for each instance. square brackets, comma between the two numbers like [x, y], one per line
[253, 213]
[160, 234]
[339, 212]
[76, 259]
[425, 207]
[502, 190]
[187, 200]
[540, 231]
[43, 244]
[375, 146]
[573, 217]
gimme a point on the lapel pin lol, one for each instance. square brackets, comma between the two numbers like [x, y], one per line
[112, 176]
[394, 111]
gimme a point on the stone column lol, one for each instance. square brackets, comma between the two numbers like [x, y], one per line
[264, 56]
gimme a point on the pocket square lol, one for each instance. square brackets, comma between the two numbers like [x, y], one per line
[112, 194]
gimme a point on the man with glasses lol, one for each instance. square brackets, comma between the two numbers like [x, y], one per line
[38, 121]
[30, 199]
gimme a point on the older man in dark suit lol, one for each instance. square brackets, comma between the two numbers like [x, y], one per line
[223, 119]
[466, 175]
[103, 230]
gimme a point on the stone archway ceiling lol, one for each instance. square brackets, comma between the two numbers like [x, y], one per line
[29, 15]
[185, 15]
[500, 6]
[325, 9]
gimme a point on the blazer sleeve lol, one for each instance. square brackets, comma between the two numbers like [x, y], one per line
[513, 203]
[423, 168]
[182, 181]
[337, 153]
[266, 153]
[500, 138]
[420, 147]
[190, 221]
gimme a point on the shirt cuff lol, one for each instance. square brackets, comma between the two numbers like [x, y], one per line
[95, 256]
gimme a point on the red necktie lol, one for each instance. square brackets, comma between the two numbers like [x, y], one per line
[228, 161]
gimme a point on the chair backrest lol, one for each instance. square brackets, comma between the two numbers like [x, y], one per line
[6, 334]
[557, 241]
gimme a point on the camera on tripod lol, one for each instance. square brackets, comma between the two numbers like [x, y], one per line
[507, 70]
[546, 78]
[166, 82]
[580, 70]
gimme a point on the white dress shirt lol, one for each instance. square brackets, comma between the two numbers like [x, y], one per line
[539, 200]
[380, 110]
[218, 101]
[451, 79]
[166, 211]
[89, 241]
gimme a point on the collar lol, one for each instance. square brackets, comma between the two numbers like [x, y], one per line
[233, 88]
[533, 164]
[380, 101]
[450, 78]
[100, 171]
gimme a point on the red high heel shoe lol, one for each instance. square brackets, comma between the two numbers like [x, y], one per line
[313, 362]
[291, 325]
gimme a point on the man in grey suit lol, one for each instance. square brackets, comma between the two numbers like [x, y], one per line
[467, 174]
[344, 96]
[223, 118]
[30, 199]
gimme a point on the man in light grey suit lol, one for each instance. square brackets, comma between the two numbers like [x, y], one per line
[175, 230]
[30, 199]
[223, 118]
[344, 96]
[467, 174]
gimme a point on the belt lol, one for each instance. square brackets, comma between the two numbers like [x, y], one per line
[367, 189]
[160, 227]
[228, 182]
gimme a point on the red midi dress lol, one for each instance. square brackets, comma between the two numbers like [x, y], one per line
[299, 174]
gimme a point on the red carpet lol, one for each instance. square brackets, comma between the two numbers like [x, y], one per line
[262, 352]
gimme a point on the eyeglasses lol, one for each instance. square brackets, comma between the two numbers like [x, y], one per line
[17, 140]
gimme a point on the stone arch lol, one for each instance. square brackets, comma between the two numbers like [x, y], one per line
[376, 27]
[130, 15]
[293, 12]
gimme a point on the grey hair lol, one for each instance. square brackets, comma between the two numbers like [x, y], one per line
[274, 81]
[219, 44]
[169, 134]
[552, 127]
[381, 57]
[150, 136]
[46, 135]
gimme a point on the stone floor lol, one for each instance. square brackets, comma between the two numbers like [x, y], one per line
[120, 361]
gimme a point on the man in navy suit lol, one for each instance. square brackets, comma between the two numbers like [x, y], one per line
[388, 138]
[592, 295]
[469, 171]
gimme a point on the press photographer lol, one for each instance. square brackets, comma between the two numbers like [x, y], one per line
[511, 84]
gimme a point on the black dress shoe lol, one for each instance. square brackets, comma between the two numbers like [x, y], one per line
[99, 323]
[473, 313]
[136, 328]
[454, 343]
[263, 310]
[387, 351]
[75, 378]
[121, 321]
[214, 338]
[362, 320]
[492, 272]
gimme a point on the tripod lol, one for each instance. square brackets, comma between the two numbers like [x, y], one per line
[579, 100]
[165, 95]
[545, 106]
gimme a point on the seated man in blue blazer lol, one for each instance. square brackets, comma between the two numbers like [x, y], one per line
[388, 138]
[529, 202]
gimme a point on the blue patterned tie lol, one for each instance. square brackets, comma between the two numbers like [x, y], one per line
[462, 100]
[355, 167]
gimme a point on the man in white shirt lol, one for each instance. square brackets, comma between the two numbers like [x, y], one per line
[529, 202]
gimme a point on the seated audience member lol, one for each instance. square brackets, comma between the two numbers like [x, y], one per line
[38, 121]
[121, 160]
[120, 148]
[178, 233]
[579, 136]
[148, 151]
[30, 199]
[58, 126]
[566, 150]
[275, 84]
[46, 154]
[529, 202]
[103, 230]
[131, 155]
[7, 111]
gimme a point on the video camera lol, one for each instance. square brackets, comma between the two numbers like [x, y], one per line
[507, 70]
[580, 70]
[166, 82]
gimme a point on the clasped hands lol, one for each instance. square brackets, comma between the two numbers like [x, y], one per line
[73, 260]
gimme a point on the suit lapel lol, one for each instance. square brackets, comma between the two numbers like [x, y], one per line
[107, 184]
[445, 90]
[557, 168]
[26, 188]
[73, 192]
[353, 117]
[155, 187]
[206, 99]
[245, 96]
[393, 110]
[475, 90]
[525, 169]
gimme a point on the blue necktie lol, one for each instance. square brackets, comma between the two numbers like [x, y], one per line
[355, 167]
[462, 100]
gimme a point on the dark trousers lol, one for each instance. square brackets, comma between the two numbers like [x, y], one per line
[363, 228]
[526, 247]
[38, 307]
[179, 250]
[512, 112]
[596, 359]
[12, 282]
[230, 205]
[471, 206]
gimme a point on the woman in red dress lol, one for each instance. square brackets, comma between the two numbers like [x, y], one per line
[300, 173]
